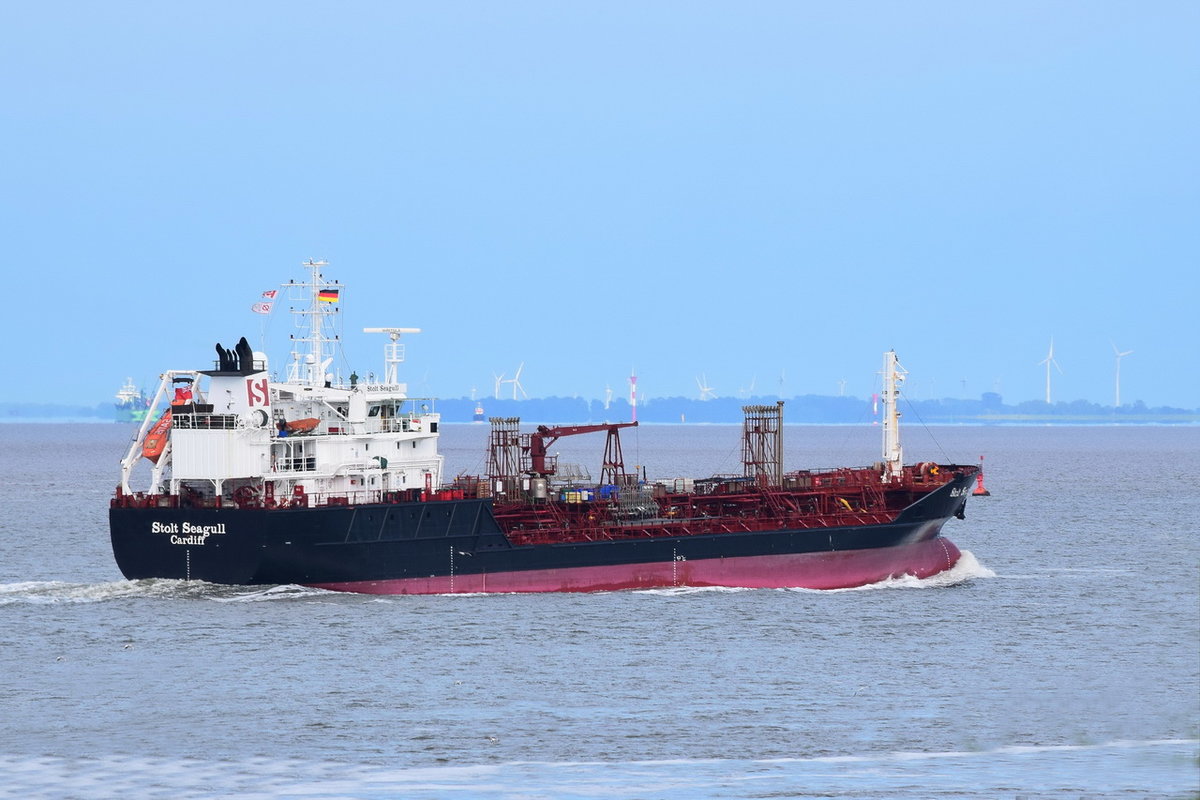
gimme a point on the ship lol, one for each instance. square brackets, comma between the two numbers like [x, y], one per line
[132, 403]
[313, 480]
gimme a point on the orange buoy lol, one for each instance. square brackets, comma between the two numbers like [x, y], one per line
[156, 439]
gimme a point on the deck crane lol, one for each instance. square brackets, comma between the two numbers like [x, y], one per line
[613, 468]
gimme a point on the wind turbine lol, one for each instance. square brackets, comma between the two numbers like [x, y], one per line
[1119, 355]
[1048, 361]
[499, 380]
[607, 396]
[706, 391]
[842, 387]
[515, 380]
[744, 393]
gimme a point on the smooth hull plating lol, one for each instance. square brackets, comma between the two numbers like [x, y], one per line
[457, 546]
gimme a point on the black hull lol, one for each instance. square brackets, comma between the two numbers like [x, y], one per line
[434, 546]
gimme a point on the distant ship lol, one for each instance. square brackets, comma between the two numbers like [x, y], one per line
[132, 403]
[478, 415]
[336, 485]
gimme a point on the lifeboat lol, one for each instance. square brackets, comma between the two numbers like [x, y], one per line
[156, 439]
[303, 425]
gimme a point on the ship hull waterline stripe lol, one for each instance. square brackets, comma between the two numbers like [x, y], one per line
[819, 570]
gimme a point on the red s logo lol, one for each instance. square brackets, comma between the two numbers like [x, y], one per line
[257, 393]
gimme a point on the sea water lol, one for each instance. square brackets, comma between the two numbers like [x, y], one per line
[1059, 659]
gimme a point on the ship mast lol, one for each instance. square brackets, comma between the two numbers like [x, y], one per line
[309, 367]
[893, 452]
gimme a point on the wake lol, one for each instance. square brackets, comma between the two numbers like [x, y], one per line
[61, 592]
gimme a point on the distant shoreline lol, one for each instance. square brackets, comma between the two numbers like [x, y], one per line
[989, 410]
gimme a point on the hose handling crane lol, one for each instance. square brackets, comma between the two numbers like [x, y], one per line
[612, 470]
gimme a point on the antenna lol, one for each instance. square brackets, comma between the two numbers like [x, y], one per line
[393, 351]
[1048, 360]
[1119, 354]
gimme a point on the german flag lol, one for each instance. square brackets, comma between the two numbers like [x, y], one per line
[328, 295]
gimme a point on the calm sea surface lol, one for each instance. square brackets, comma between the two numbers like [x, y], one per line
[1060, 659]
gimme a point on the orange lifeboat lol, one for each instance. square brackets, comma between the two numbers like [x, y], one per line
[156, 439]
[303, 425]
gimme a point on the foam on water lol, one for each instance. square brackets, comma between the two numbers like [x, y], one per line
[1150, 769]
[230, 594]
[968, 568]
[52, 592]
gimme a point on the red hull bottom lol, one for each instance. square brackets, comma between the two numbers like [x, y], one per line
[829, 570]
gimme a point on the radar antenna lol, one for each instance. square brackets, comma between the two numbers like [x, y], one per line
[393, 351]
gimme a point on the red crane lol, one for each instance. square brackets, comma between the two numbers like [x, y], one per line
[614, 466]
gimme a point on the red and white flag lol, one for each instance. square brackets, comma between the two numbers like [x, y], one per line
[261, 308]
[269, 294]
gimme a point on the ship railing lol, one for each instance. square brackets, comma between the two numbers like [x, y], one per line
[302, 464]
[256, 365]
[295, 500]
[361, 497]
[215, 422]
[407, 423]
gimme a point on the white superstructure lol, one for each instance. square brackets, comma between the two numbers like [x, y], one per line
[238, 434]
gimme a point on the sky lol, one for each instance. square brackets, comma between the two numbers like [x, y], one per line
[757, 194]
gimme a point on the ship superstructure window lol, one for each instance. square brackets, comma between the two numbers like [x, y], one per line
[297, 459]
